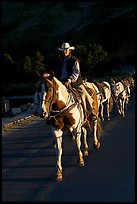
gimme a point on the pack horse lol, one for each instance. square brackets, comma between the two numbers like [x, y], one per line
[58, 106]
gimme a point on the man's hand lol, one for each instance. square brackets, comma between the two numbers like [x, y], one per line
[67, 84]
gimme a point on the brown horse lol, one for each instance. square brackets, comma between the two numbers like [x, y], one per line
[64, 113]
[103, 91]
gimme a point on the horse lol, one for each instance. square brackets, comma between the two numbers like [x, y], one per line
[129, 83]
[120, 95]
[61, 109]
[103, 91]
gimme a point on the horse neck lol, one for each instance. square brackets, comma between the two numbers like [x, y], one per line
[62, 94]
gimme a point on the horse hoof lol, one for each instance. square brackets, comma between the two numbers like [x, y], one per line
[59, 175]
[58, 179]
[81, 163]
[96, 145]
[85, 152]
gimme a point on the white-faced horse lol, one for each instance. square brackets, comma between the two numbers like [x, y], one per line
[120, 95]
[63, 112]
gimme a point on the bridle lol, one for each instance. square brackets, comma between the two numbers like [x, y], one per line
[54, 113]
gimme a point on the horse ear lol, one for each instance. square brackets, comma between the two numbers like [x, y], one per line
[48, 77]
[51, 75]
[48, 82]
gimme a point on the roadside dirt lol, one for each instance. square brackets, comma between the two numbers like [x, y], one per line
[19, 123]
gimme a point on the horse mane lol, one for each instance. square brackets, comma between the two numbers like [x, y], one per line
[60, 84]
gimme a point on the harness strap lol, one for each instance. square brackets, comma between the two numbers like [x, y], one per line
[63, 111]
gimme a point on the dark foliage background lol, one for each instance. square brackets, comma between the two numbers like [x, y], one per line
[32, 31]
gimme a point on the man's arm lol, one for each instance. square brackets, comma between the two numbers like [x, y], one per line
[75, 73]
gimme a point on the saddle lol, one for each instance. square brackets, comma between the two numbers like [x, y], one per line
[76, 94]
[78, 97]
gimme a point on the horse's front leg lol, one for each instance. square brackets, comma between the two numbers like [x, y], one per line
[58, 140]
[78, 144]
[85, 141]
[96, 143]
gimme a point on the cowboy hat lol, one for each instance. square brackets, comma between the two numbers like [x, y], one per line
[66, 46]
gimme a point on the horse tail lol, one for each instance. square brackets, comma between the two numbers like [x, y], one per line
[100, 131]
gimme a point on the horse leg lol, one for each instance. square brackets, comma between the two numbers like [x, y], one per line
[126, 103]
[58, 140]
[123, 107]
[102, 111]
[108, 114]
[118, 104]
[78, 144]
[85, 151]
[96, 143]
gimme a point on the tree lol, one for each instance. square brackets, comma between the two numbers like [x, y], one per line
[39, 66]
[34, 64]
[90, 55]
[8, 59]
[27, 67]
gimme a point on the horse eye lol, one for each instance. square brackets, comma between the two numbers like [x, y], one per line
[49, 89]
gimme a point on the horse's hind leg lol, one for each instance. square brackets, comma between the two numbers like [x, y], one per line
[96, 143]
[78, 144]
[85, 151]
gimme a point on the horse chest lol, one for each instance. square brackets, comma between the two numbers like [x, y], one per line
[63, 122]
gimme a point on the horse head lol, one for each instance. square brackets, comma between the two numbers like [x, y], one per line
[51, 95]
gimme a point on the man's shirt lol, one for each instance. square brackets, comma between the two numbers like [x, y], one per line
[75, 72]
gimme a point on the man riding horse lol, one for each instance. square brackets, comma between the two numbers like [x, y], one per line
[68, 72]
